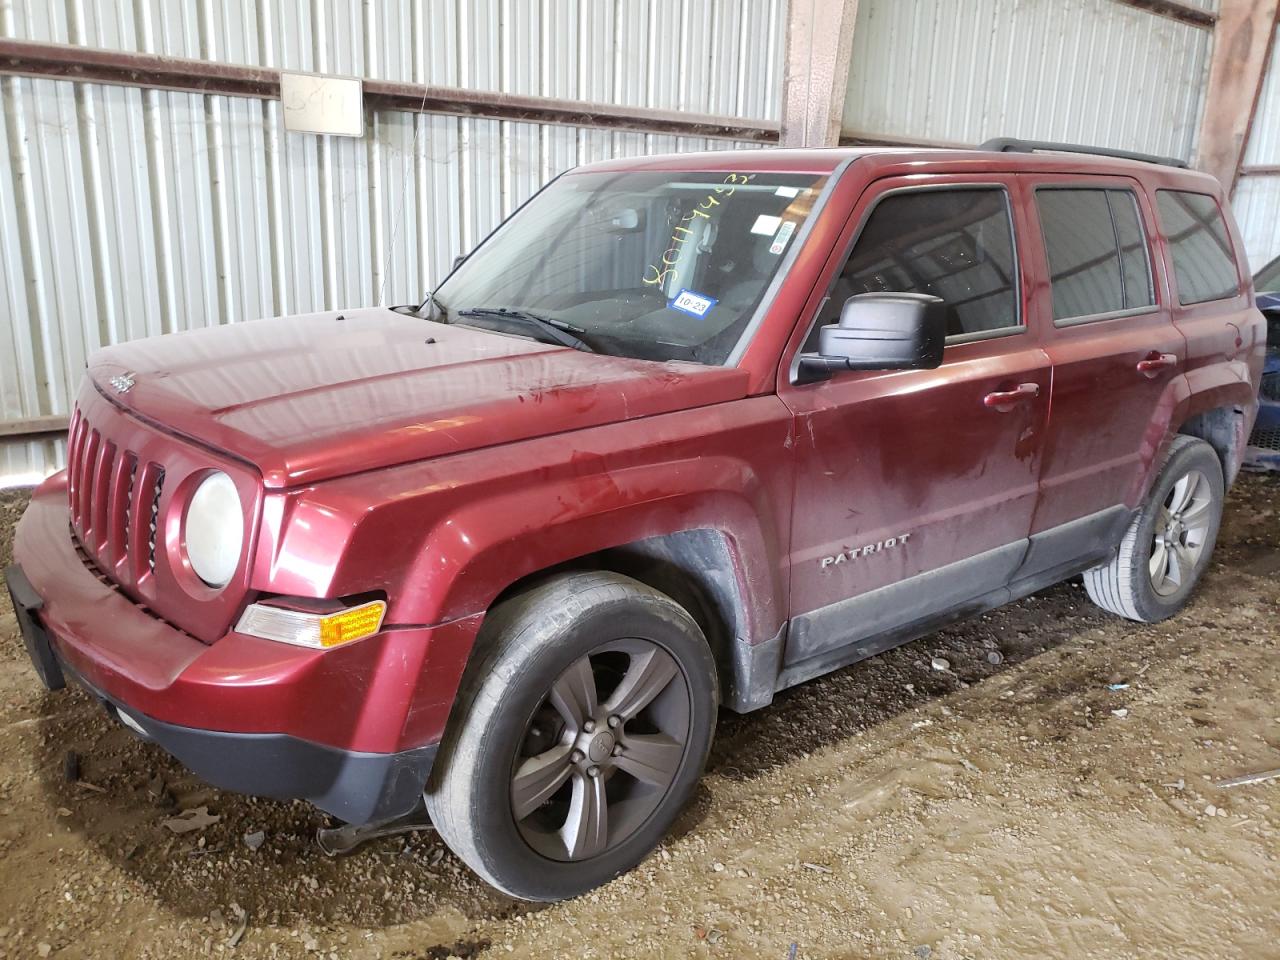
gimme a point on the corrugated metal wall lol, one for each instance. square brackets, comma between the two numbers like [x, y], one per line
[1084, 71]
[128, 212]
[1257, 198]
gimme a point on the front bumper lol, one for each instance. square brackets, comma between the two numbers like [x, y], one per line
[355, 786]
[353, 730]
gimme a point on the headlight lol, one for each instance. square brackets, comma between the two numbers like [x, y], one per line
[214, 530]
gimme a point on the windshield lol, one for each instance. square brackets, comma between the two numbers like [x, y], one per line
[654, 265]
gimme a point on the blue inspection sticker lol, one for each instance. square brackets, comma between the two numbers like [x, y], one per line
[694, 304]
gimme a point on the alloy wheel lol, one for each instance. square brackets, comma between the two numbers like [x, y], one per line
[1181, 530]
[602, 750]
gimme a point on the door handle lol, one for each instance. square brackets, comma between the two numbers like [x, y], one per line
[1156, 362]
[1003, 400]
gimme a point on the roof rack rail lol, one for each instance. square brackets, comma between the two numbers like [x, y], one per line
[1012, 145]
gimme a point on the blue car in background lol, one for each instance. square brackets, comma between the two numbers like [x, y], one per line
[1264, 442]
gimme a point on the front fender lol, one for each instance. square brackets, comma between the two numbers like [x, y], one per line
[487, 545]
[445, 537]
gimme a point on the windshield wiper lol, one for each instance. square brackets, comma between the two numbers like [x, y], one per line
[559, 331]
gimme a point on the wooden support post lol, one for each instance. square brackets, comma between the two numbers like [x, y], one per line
[1241, 48]
[816, 76]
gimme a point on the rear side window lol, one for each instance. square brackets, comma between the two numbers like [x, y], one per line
[1204, 265]
[954, 244]
[1097, 251]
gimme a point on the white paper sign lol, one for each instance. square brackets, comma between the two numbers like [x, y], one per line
[313, 103]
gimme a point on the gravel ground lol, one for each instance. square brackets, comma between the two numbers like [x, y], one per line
[1012, 805]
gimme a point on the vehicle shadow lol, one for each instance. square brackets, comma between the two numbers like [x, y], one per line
[852, 701]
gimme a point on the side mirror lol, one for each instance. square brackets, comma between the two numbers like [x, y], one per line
[879, 331]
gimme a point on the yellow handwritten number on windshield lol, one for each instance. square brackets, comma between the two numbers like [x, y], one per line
[680, 234]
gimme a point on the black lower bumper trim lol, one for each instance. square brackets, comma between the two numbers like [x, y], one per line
[26, 607]
[354, 786]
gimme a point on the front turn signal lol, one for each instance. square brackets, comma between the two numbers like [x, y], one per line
[302, 628]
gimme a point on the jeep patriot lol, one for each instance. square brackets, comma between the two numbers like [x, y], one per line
[684, 431]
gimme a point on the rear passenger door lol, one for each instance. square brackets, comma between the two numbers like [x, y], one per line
[1113, 349]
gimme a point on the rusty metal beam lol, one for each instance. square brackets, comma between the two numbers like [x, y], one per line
[62, 62]
[505, 106]
[816, 74]
[66, 62]
[33, 427]
[1261, 170]
[1176, 10]
[1241, 49]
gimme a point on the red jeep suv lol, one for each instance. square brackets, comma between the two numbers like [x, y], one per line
[683, 432]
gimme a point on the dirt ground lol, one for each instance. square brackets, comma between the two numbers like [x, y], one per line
[1013, 808]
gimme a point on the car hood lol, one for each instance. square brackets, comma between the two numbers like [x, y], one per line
[312, 397]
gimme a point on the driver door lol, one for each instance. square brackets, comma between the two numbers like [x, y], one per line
[915, 489]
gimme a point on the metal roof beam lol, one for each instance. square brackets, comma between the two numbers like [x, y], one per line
[1176, 10]
[33, 427]
[68, 62]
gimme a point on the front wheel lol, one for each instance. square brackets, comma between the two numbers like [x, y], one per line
[1166, 548]
[580, 734]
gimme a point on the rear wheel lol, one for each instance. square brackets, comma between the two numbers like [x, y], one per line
[581, 732]
[1167, 546]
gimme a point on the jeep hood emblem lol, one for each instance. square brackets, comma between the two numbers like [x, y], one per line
[122, 383]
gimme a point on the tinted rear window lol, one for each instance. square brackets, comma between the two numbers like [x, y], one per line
[1204, 266]
[1097, 251]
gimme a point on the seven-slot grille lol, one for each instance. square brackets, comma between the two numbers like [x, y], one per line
[124, 477]
[115, 501]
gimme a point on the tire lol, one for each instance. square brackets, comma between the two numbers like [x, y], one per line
[1156, 568]
[525, 705]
